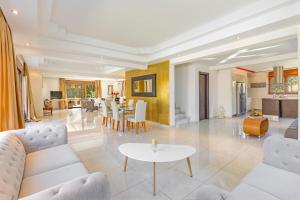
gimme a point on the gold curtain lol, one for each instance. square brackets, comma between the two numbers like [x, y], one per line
[11, 112]
[62, 87]
[98, 89]
[30, 111]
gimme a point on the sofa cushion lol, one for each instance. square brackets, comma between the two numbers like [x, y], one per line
[12, 159]
[51, 178]
[49, 159]
[282, 152]
[248, 192]
[277, 182]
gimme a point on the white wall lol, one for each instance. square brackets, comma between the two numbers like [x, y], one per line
[256, 94]
[224, 88]
[187, 89]
[117, 87]
[49, 84]
[36, 81]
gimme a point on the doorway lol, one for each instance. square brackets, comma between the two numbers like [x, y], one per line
[203, 96]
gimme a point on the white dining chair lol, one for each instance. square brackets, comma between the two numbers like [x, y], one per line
[122, 100]
[113, 103]
[97, 102]
[105, 113]
[139, 116]
[116, 117]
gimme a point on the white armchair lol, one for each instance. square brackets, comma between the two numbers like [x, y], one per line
[276, 178]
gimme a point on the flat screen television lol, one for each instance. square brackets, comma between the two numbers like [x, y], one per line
[55, 94]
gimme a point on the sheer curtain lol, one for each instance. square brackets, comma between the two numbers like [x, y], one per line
[29, 111]
[11, 113]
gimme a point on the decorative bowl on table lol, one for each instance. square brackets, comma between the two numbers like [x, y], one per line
[255, 115]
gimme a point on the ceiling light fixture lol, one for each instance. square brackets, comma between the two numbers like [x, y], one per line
[14, 11]
[208, 58]
[27, 44]
[264, 48]
[233, 56]
[256, 55]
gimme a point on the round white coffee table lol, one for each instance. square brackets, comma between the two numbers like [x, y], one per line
[163, 153]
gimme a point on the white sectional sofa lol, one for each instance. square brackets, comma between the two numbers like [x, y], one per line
[276, 178]
[37, 164]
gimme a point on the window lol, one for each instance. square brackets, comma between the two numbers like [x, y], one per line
[290, 85]
[74, 91]
[90, 91]
[80, 89]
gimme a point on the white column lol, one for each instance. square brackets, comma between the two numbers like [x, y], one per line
[172, 94]
[298, 37]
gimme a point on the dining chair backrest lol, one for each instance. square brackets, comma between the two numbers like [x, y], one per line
[140, 111]
[97, 101]
[115, 112]
[102, 103]
[121, 100]
[130, 103]
[113, 103]
[104, 109]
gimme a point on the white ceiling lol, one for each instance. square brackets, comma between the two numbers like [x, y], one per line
[253, 52]
[138, 23]
[104, 38]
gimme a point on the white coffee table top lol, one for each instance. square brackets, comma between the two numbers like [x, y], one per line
[164, 153]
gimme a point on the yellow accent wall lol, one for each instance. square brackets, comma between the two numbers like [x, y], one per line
[157, 107]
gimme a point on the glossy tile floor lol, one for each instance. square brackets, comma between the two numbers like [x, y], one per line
[224, 155]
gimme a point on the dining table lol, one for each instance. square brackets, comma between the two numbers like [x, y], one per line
[124, 110]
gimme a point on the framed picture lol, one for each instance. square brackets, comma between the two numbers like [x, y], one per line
[144, 86]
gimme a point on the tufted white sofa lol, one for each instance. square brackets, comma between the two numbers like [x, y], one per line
[276, 178]
[36, 163]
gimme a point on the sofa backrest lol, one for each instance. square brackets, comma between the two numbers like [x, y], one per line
[41, 135]
[282, 153]
[12, 161]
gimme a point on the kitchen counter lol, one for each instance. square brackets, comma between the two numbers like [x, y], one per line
[288, 98]
[280, 107]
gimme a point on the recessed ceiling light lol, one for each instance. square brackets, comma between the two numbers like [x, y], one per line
[14, 11]
[27, 44]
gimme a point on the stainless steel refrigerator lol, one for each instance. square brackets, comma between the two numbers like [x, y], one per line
[238, 98]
